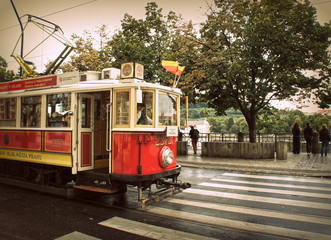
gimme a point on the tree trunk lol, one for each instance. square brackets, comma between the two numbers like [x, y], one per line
[252, 127]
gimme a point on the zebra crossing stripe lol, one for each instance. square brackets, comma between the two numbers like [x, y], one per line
[271, 184]
[253, 211]
[234, 224]
[147, 230]
[293, 179]
[264, 190]
[77, 235]
[245, 197]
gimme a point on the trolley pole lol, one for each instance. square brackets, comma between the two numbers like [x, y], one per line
[22, 30]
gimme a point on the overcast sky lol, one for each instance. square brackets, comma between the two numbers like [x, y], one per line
[75, 16]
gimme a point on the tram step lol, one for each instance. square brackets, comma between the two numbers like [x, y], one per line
[96, 189]
[92, 178]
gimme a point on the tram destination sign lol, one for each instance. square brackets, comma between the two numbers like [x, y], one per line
[29, 84]
[40, 82]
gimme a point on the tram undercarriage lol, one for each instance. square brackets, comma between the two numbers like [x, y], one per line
[166, 184]
[36, 173]
[157, 186]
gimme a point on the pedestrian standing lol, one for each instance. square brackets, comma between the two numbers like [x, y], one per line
[308, 134]
[324, 138]
[194, 135]
[296, 138]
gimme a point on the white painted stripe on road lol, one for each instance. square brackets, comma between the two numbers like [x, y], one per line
[272, 184]
[253, 211]
[77, 235]
[265, 190]
[293, 179]
[150, 231]
[234, 224]
[280, 201]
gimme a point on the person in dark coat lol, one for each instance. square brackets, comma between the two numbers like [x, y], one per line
[308, 134]
[194, 135]
[324, 138]
[296, 138]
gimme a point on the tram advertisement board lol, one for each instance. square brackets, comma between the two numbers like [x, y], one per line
[28, 84]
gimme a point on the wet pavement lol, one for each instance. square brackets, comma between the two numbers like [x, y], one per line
[296, 164]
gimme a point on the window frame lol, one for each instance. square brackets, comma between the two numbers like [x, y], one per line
[153, 109]
[115, 107]
[69, 105]
[177, 109]
[8, 106]
[40, 109]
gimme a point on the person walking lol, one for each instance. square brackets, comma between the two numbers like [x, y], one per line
[324, 138]
[308, 134]
[296, 138]
[194, 135]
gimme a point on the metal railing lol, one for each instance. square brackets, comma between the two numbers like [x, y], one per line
[261, 138]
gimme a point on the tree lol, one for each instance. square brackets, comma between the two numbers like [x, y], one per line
[230, 123]
[324, 94]
[255, 51]
[5, 75]
[296, 116]
[86, 56]
[319, 121]
[215, 124]
[151, 40]
[141, 40]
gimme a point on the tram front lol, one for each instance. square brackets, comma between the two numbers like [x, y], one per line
[142, 128]
[144, 136]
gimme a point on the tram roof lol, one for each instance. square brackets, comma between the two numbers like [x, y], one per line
[91, 86]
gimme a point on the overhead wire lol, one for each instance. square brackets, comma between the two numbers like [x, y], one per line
[50, 14]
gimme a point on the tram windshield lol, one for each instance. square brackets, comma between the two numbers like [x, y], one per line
[122, 106]
[167, 110]
[145, 109]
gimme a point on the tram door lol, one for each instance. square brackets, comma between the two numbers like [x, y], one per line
[85, 132]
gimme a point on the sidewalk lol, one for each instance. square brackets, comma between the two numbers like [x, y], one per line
[295, 165]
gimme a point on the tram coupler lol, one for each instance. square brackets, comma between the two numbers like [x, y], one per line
[179, 184]
[169, 189]
[160, 195]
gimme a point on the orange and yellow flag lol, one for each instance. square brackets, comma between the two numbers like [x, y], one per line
[180, 70]
[170, 66]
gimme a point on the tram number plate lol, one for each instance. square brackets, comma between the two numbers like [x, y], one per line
[57, 142]
[161, 141]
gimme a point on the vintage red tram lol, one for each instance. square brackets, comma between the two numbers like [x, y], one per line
[94, 129]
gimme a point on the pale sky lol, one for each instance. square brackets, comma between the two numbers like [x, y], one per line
[75, 16]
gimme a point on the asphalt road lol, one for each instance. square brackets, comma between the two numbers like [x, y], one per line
[219, 205]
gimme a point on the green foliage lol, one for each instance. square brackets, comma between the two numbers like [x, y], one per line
[5, 75]
[269, 122]
[318, 121]
[255, 51]
[86, 56]
[148, 41]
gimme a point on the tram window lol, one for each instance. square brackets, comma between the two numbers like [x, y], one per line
[31, 108]
[58, 107]
[145, 109]
[167, 110]
[86, 113]
[122, 108]
[8, 112]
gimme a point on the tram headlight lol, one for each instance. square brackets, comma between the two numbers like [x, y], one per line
[166, 157]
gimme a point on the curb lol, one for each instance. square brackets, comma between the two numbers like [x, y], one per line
[265, 170]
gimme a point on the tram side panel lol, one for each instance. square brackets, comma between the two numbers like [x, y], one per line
[126, 152]
[42, 147]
